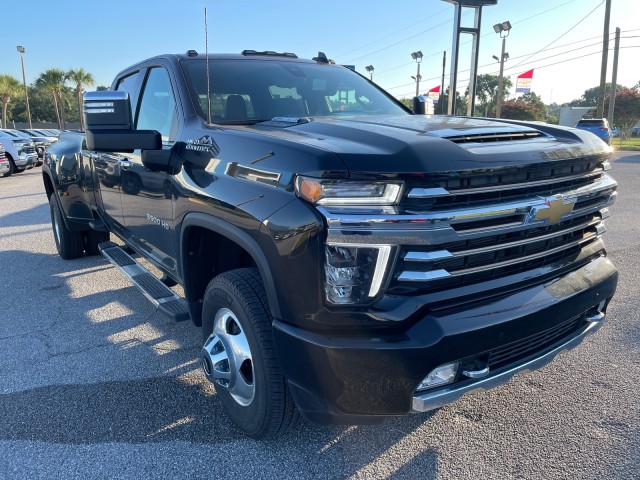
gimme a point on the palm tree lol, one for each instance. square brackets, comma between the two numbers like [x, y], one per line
[80, 78]
[53, 81]
[9, 87]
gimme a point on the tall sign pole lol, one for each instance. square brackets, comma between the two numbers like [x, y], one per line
[455, 49]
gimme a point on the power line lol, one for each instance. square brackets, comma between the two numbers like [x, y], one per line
[546, 46]
[463, 43]
[528, 54]
[537, 67]
[399, 42]
[394, 33]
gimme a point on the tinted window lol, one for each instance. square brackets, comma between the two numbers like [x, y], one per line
[128, 84]
[158, 106]
[593, 123]
[263, 89]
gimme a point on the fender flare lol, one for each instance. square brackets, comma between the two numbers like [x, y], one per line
[240, 237]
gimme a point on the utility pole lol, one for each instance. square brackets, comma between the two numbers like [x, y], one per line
[441, 100]
[605, 56]
[614, 78]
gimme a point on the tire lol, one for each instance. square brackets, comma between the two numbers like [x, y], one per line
[239, 355]
[131, 184]
[12, 167]
[70, 244]
[91, 240]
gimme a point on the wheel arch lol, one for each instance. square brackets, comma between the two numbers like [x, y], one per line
[230, 236]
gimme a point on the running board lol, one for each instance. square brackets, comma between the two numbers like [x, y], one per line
[165, 299]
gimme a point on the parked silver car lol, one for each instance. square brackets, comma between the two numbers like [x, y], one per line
[21, 152]
[4, 163]
[41, 141]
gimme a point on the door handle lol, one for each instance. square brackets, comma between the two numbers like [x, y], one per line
[124, 163]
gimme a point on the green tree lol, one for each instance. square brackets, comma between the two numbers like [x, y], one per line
[487, 93]
[80, 77]
[535, 100]
[461, 103]
[519, 110]
[9, 87]
[590, 96]
[52, 81]
[626, 109]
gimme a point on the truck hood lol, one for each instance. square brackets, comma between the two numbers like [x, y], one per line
[416, 143]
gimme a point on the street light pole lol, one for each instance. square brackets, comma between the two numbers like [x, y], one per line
[500, 80]
[417, 56]
[500, 28]
[22, 51]
[370, 69]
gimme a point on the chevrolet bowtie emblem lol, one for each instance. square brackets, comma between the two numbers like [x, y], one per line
[552, 209]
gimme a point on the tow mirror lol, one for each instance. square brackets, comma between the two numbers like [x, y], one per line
[109, 124]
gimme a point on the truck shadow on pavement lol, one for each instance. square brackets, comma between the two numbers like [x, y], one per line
[87, 365]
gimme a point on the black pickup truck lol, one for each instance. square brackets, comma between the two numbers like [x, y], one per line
[346, 258]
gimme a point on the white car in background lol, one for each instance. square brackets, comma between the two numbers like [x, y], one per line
[4, 163]
[21, 152]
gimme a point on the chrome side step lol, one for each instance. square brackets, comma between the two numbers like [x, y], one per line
[165, 299]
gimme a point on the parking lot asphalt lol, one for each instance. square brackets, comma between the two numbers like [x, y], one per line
[94, 383]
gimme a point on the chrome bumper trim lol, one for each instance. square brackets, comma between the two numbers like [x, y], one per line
[436, 399]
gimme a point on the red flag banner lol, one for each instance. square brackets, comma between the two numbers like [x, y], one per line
[434, 94]
[523, 82]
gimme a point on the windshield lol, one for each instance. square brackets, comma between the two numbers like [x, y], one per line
[255, 90]
[21, 134]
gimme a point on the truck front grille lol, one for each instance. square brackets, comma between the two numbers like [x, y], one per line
[507, 185]
[462, 234]
[487, 225]
[464, 262]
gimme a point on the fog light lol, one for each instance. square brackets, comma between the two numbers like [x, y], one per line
[441, 375]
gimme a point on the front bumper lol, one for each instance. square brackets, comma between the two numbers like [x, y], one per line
[364, 378]
[4, 167]
[26, 161]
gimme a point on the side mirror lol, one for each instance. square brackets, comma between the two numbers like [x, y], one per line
[109, 125]
[420, 105]
[107, 110]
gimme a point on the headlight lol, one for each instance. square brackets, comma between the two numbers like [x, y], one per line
[344, 192]
[354, 273]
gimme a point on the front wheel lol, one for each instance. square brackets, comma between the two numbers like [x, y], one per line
[12, 167]
[239, 356]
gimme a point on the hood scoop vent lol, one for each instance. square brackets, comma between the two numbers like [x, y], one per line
[485, 137]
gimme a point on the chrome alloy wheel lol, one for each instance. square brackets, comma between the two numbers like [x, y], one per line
[226, 358]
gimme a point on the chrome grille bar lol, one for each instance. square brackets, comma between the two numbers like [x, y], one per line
[425, 276]
[441, 192]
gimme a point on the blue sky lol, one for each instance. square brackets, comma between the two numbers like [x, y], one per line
[104, 37]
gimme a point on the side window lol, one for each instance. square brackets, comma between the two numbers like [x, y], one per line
[158, 106]
[128, 83]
